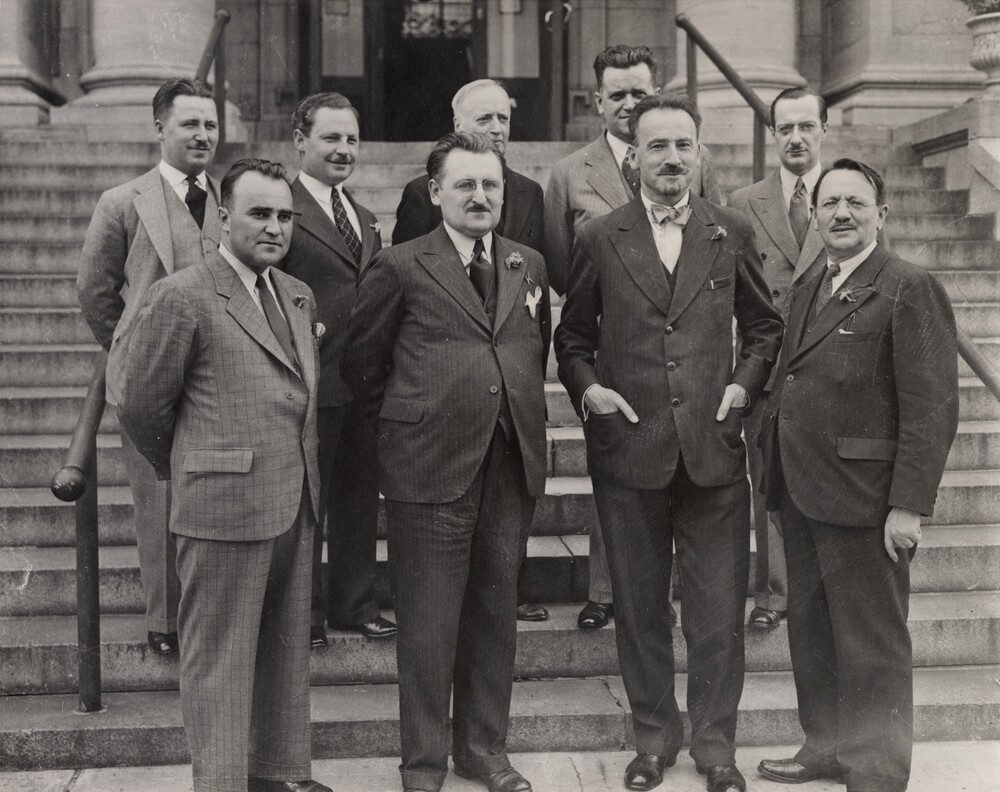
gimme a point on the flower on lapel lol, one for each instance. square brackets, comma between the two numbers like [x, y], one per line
[720, 233]
[531, 300]
[299, 300]
[513, 261]
[318, 328]
[847, 296]
[376, 228]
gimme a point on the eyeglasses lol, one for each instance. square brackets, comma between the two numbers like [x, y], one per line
[468, 186]
[805, 128]
[854, 205]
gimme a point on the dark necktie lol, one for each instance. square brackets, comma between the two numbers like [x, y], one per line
[481, 272]
[277, 322]
[195, 200]
[344, 225]
[826, 286]
[630, 174]
[798, 212]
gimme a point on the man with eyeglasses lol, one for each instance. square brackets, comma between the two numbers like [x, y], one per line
[859, 423]
[788, 245]
[446, 352]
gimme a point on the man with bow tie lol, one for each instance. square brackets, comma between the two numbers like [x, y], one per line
[645, 351]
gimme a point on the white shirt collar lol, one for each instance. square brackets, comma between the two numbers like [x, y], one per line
[619, 148]
[246, 275]
[847, 266]
[465, 244]
[318, 189]
[809, 179]
[648, 202]
[176, 178]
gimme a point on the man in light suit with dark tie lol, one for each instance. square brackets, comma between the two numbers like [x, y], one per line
[789, 245]
[141, 231]
[645, 351]
[447, 352]
[335, 238]
[858, 429]
[220, 397]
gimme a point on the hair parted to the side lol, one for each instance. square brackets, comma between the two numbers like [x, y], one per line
[671, 100]
[800, 93]
[462, 141]
[870, 175]
[266, 168]
[305, 114]
[165, 95]
[622, 56]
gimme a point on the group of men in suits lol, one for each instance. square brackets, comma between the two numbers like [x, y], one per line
[274, 369]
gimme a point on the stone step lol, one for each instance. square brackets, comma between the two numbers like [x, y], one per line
[979, 319]
[73, 153]
[970, 286]
[38, 258]
[951, 254]
[990, 347]
[37, 291]
[89, 175]
[30, 460]
[939, 227]
[33, 517]
[43, 326]
[46, 410]
[145, 728]
[39, 653]
[47, 364]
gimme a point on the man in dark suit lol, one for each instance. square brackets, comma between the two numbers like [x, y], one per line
[860, 421]
[335, 238]
[220, 397]
[788, 244]
[141, 231]
[447, 350]
[645, 352]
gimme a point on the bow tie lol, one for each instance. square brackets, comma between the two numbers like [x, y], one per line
[678, 215]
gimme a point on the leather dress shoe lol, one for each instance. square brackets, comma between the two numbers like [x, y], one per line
[317, 637]
[765, 620]
[162, 643]
[646, 770]
[506, 780]
[255, 784]
[595, 615]
[379, 627]
[532, 612]
[791, 771]
[723, 778]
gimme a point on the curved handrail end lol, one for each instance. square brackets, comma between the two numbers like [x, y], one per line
[69, 483]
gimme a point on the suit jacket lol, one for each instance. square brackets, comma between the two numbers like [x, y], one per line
[668, 352]
[523, 208]
[127, 248]
[213, 403]
[865, 404]
[587, 184]
[424, 362]
[319, 256]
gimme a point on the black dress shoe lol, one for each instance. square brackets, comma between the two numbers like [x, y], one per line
[790, 771]
[723, 778]
[507, 780]
[595, 615]
[317, 637]
[532, 612]
[765, 620]
[379, 627]
[162, 643]
[646, 770]
[255, 784]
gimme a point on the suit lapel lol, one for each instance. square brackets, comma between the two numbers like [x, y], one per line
[298, 324]
[442, 263]
[151, 206]
[769, 206]
[812, 247]
[315, 221]
[603, 174]
[634, 244]
[508, 281]
[697, 256]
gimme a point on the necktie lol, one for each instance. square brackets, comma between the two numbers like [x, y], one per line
[676, 214]
[195, 200]
[344, 225]
[798, 212]
[481, 271]
[826, 286]
[630, 174]
[277, 322]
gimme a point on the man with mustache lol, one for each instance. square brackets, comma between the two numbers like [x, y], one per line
[858, 427]
[788, 245]
[335, 238]
[645, 351]
[141, 231]
[447, 351]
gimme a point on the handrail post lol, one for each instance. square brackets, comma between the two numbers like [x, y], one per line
[692, 69]
[88, 620]
[759, 147]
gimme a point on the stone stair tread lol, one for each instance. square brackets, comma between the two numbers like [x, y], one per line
[43, 392]
[81, 348]
[42, 496]
[14, 441]
[40, 309]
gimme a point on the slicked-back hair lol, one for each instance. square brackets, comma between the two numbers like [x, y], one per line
[462, 93]
[664, 101]
[622, 56]
[164, 97]
[475, 142]
[305, 114]
[800, 93]
[266, 168]
[870, 175]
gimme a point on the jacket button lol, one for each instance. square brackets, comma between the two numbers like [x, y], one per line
[289, 395]
[494, 389]
[671, 366]
[675, 402]
[763, 256]
[669, 329]
[775, 292]
[790, 378]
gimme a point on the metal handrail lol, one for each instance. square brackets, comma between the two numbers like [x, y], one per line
[979, 363]
[215, 50]
[76, 481]
[761, 112]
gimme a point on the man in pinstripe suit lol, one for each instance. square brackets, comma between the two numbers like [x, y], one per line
[220, 396]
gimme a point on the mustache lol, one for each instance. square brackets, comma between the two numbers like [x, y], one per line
[477, 207]
[842, 227]
[342, 160]
[672, 170]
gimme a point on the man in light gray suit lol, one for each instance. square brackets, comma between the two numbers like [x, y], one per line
[141, 231]
[788, 245]
[220, 396]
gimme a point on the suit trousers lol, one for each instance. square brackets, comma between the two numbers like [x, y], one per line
[244, 656]
[345, 595]
[453, 568]
[710, 528]
[770, 581]
[851, 654]
[157, 552]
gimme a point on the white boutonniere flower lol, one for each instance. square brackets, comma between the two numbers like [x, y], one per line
[531, 300]
[513, 261]
[847, 297]
[299, 300]
[720, 233]
[318, 329]
[376, 228]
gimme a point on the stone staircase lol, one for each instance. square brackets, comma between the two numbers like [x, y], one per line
[568, 695]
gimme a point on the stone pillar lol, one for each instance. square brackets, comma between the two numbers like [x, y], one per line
[893, 62]
[759, 39]
[25, 90]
